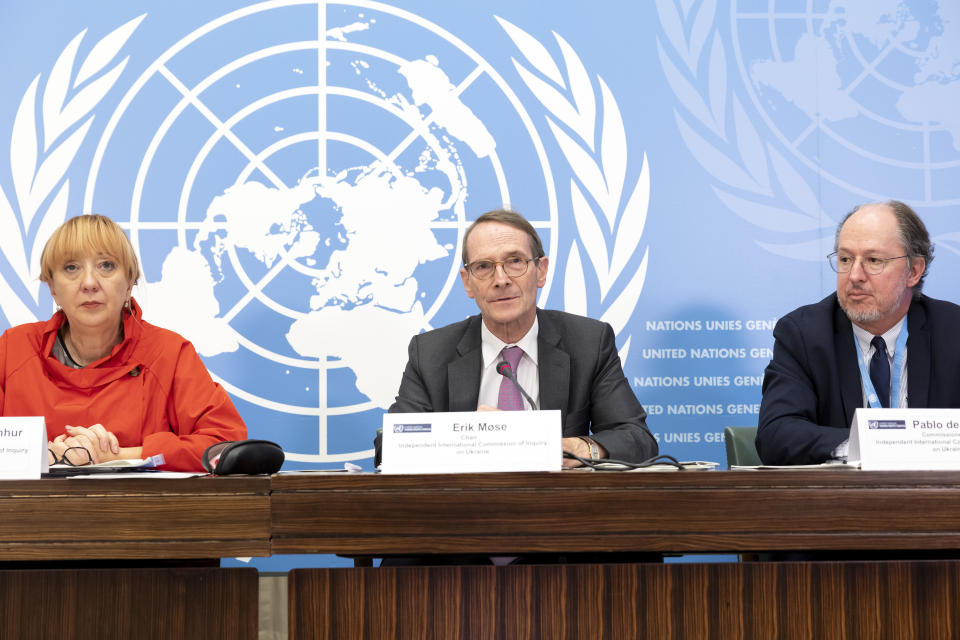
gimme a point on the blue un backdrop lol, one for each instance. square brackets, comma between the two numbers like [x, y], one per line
[296, 177]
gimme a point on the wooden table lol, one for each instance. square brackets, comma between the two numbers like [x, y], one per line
[121, 557]
[681, 512]
[148, 536]
[687, 512]
[134, 518]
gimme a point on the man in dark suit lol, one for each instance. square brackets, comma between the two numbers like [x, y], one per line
[877, 341]
[564, 361]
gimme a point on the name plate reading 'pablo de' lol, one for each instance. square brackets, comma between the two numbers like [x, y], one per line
[23, 447]
[906, 439]
[473, 441]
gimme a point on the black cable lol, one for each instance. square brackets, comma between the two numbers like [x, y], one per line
[598, 465]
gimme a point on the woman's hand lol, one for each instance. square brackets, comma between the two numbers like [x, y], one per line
[75, 454]
[102, 444]
[57, 453]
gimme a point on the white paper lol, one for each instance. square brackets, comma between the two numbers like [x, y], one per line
[829, 465]
[905, 439]
[23, 447]
[124, 463]
[473, 441]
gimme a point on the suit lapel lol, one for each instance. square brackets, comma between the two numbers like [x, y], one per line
[851, 389]
[918, 357]
[554, 367]
[463, 373]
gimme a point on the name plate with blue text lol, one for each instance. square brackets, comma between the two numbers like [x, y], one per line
[472, 441]
[23, 447]
[905, 439]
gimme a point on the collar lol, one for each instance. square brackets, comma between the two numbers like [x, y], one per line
[864, 337]
[119, 362]
[491, 345]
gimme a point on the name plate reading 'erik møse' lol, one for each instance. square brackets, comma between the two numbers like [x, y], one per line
[23, 447]
[905, 439]
[473, 441]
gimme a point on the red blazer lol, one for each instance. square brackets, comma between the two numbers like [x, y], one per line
[152, 390]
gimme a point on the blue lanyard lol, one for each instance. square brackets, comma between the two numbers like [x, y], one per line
[899, 353]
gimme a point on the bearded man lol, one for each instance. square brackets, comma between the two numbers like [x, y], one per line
[876, 342]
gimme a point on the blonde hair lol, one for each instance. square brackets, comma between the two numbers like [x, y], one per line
[86, 235]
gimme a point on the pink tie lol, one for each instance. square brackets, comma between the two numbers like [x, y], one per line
[510, 399]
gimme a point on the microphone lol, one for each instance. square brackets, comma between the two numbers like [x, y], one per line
[504, 369]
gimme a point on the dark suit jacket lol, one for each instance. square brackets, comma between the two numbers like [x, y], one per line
[812, 386]
[580, 374]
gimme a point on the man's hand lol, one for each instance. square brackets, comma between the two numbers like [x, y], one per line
[578, 447]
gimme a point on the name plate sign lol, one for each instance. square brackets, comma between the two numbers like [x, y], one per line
[23, 448]
[905, 439]
[472, 441]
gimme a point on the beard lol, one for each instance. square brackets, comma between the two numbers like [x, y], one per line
[862, 317]
[870, 316]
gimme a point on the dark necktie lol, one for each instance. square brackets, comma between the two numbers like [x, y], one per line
[880, 370]
[509, 399]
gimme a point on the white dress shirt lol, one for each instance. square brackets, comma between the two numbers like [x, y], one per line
[527, 373]
[864, 338]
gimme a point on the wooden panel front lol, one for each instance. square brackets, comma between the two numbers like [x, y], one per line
[129, 603]
[370, 514]
[746, 600]
[73, 519]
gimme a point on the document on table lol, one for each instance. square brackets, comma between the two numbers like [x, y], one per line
[829, 465]
[135, 465]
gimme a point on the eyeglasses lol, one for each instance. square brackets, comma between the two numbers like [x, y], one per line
[513, 267]
[842, 263]
[72, 457]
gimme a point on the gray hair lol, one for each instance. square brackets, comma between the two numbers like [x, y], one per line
[911, 232]
[512, 219]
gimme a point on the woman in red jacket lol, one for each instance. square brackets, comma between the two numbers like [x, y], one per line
[105, 380]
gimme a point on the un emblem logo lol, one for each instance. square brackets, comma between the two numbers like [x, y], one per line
[838, 104]
[298, 202]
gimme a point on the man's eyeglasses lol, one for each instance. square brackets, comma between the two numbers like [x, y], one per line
[842, 263]
[513, 267]
[72, 457]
